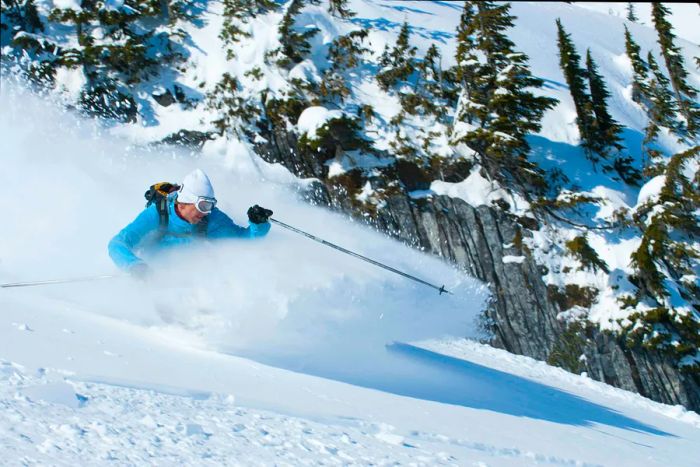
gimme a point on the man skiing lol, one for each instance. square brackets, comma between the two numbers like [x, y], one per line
[177, 217]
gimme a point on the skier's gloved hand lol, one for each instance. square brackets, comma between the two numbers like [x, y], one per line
[140, 271]
[258, 215]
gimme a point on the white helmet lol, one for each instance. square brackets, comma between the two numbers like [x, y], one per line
[196, 185]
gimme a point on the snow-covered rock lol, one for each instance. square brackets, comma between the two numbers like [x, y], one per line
[313, 118]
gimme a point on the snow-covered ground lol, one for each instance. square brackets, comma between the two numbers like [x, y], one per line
[274, 351]
[279, 350]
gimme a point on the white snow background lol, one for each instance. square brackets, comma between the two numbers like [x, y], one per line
[79, 187]
[279, 350]
[115, 370]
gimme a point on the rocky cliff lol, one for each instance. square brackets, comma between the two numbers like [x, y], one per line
[483, 240]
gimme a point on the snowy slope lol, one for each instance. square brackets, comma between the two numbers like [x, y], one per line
[281, 357]
[261, 352]
[684, 15]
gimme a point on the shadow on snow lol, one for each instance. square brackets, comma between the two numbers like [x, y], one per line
[472, 385]
[410, 371]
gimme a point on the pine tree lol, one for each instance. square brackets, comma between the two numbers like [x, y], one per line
[120, 45]
[340, 9]
[237, 13]
[667, 260]
[501, 108]
[663, 108]
[344, 54]
[686, 94]
[33, 55]
[431, 88]
[651, 90]
[398, 64]
[231, 31]
[235, 112]
[295, 45]
[569, 61]
[465, 72]
[21, 16]
[423, 98]
[640, 89]
[631, 15]
[606, 129]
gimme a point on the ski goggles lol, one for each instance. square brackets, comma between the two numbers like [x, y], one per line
[205, 205]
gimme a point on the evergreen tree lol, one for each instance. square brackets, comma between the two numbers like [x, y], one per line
[569, 61]
[465, 72]
[120, 45]
[340, 9]
[686, 94]
[431, 90]
[606, 130]
[398, 64]
[21, 15]
[236, 113]
[344, 54]
[651, 90]
[663, 108]
[20, 28]
[236, 13]
[668, 258]
[631, 15]
[501, 108]
[295, 45]
[24, 14]
[640, 89]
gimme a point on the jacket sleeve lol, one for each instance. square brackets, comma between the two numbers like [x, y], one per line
[121, 247]
[221, 226]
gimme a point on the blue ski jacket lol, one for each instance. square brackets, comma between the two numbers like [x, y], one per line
[144, 233]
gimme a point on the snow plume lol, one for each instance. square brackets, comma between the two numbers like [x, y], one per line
[67, 187]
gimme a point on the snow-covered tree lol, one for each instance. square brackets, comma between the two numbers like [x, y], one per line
[576, 77]
[235, 112]
[236, 13]
[606, 130]
[294, 43]
[430, 91]
[663, 109]
[667, 262]
[651, 90]
[344, 54]
[497, 108]
[686, 94]
[640, 70]
[466, 56]
[398, 64]
[20, 15]
[340, 9]
[116, 46]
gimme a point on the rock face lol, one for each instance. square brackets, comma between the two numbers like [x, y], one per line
[649, 373]
[483, 242]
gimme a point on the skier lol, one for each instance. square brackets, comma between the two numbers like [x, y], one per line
[176, 215]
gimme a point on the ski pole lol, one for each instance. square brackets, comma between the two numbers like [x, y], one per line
[359, 256]
[59, 281]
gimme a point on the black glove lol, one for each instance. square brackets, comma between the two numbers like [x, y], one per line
[258, 215]
[140, 271]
